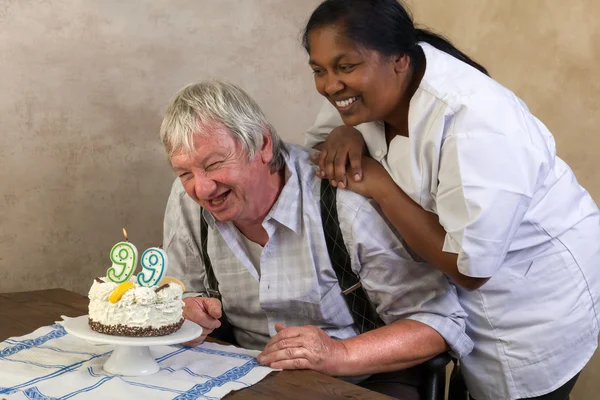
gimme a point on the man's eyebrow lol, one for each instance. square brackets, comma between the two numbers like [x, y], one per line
[201, 162]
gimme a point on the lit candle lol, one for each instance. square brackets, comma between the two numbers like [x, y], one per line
[124, 258]
[154, 266]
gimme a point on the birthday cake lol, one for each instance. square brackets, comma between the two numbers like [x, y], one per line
[149, 304]
[128, 309]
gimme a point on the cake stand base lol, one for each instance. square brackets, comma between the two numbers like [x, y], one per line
[131, 361]
[131, 355]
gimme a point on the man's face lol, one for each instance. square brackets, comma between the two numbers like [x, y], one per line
[219, 176]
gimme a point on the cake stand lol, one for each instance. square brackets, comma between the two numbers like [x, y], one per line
[131, 356]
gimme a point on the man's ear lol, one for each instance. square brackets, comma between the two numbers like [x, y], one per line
[401, 63]
[266, 151]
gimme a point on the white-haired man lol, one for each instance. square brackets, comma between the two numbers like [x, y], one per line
[260, 199]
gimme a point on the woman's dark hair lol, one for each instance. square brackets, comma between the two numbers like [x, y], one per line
[385, 26]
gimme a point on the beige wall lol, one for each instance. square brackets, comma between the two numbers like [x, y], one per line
[82, 88]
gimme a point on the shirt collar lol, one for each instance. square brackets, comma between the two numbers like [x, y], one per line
[210, 219]
[287, 209]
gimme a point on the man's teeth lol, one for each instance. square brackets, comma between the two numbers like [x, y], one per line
[347, 102]
[216, 202]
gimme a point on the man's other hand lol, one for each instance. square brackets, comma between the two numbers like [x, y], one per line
[303, 347]
[204, 311]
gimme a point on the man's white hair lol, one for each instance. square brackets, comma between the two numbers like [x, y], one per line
[199, 105]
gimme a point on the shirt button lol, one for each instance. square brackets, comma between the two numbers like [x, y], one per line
[379, 153]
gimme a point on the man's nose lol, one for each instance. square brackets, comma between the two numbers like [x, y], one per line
[204, 187]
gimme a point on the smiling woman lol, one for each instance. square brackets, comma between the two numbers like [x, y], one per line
[355, 60]
[471, 180]
[348, 75]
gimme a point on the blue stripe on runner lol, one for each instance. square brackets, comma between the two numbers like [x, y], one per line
[84, 353]
[87, 389]
[221, 353]
[169, 355]
[192, 373]
[52, 375]
[90, 371]
[28, 344]
[34, 363]
[231, 375]
[33, 393]
[161, 388]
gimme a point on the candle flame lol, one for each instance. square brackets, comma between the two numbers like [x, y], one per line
[125, 234]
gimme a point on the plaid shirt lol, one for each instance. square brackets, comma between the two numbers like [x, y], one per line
[297, 284]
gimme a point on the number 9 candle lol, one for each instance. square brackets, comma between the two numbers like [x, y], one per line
[154, 267]
[124, 258]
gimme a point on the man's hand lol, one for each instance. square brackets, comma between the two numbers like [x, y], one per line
[303, 347]
[204, 311]
[343, 145]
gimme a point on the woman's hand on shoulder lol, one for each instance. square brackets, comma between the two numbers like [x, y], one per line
[344, 145]
[376, 181]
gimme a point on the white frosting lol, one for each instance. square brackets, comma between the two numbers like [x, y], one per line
[139, 306]
[145, 295]
[101, 291]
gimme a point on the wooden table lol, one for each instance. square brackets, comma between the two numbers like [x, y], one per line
[23, 312]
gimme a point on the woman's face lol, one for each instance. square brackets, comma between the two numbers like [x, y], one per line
[362, 84]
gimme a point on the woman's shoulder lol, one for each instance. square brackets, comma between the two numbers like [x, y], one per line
[468, 98]
[457, 84]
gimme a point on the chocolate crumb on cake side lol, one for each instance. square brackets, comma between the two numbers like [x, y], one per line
[123, 330]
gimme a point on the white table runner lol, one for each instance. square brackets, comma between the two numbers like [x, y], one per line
[52, 364]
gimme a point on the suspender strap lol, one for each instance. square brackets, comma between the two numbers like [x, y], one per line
[365, 316]
[213, 284]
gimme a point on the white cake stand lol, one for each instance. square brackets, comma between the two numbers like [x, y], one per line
[131, 356]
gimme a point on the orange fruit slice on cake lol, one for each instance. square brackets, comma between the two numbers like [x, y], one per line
[170, 279]
[120, 291]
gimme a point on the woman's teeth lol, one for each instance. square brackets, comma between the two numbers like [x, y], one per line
[347, 102]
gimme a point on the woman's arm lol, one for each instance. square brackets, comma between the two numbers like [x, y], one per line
[419, 228]
[422, 232]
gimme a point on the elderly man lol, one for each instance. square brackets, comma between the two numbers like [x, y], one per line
[265, 240]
